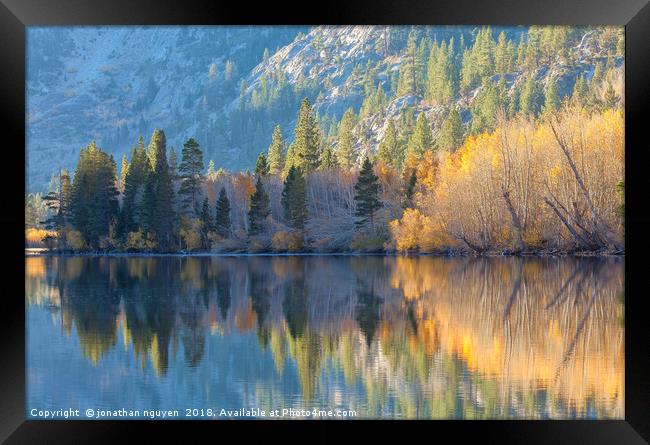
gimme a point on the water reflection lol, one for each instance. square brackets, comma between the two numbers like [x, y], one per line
[388, 337]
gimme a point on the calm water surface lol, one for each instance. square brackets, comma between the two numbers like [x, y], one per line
[385, 337]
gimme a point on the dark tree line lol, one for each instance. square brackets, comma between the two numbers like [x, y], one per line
[161, 205]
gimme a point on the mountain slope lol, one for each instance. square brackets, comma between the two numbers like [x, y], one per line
[219, 85]
[114, 83]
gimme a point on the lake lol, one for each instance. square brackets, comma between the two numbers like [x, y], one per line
[369, 336]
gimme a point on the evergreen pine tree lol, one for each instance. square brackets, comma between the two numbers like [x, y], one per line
[533, 51]
[432, 64]
[532, 97]
[190, 171]
[93, 197]
[204, 215]
[483, 50]
[148, 205]
[222, 216]
[290, 159]
[408, 72]
[521, 51]
[261, 165]
[451, 132]
[259, 209]
[276, 151]
[306, 142]
[484, 108]
[501, 57]
[345, 146]
[294, 199]
[551, 98]
[390, 150]
[134, 184]
[327, 158]
[441, 85]
[161, 205]
[366, 195]
[422, 138]
[206, 222]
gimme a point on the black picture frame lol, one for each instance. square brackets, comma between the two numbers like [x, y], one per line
[16, 15]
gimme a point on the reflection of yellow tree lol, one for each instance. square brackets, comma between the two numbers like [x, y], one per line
[413, 337]
[307, 352]
[541, 334]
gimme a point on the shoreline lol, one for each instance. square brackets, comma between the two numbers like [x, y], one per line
[534, 254]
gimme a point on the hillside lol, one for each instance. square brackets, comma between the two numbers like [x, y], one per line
[337, 64]
[220, 86]
[114, 83]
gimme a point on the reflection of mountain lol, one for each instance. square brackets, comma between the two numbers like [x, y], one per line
[421, 337]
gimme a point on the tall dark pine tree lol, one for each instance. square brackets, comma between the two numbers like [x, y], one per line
[93, 198]
[306, 142]
[222, 217]
[259, 209]
[451, 132]
[262, 165]
[134, 185]
[190, 171]
[161, 206]
[366, 195]
[206, 222]
[294, 199]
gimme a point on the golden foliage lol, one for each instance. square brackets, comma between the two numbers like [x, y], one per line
[426, 169]
[191, 235]
[34, 236]
[494, 180]
[418, 232]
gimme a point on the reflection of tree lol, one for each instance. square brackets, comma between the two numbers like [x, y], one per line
[193, 336]
[92, 302]
[260, 297]
[223, 293]
[278, 348]
[435, 342]
[294, 306]
[368, 312]
[150, 309]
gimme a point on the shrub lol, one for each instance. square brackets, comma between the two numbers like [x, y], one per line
[288, 241]
[75, 240]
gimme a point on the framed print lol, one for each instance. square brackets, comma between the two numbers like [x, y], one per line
[379, 212]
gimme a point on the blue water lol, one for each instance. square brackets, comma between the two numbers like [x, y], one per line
[372, 336]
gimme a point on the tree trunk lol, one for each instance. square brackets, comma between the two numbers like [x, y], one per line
[598, 222]
[578, 239]
[516, 222]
